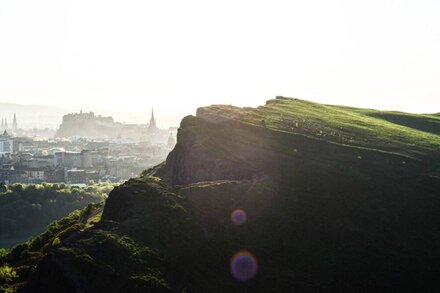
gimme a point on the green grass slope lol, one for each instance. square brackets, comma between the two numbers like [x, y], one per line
[409, 134]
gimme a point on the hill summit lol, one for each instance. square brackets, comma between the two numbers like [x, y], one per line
[289, 196]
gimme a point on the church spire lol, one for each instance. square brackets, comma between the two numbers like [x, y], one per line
[152, 126]
[14, 123]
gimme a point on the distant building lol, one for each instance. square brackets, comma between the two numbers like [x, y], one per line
[152, 127]
[36, 174]
[52, 151]
[6, 144]
[75, 176]
[73, 159]
[14, 123]
[9, 174]
[57, 175]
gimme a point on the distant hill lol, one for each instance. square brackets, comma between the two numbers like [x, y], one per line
[292, 196]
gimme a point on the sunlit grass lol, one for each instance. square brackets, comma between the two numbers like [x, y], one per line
[351, 126]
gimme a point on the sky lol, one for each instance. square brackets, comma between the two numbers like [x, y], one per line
[175, 56]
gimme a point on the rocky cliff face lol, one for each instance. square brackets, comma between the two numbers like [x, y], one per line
[202, 156]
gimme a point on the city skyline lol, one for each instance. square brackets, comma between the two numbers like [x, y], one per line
[29, 118]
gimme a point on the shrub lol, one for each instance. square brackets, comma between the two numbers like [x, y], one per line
[56, 242]
[3, 253]
[7, 274]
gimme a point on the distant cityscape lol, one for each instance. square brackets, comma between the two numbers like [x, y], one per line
[85, 149]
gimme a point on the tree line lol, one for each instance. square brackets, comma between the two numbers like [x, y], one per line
[26, 210]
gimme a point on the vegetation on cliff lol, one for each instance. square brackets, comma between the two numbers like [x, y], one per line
[26, 210]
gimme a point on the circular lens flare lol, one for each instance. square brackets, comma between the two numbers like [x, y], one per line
[238, 217]
[243, 266]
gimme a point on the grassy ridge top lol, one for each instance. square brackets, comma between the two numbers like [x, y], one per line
[411, 135]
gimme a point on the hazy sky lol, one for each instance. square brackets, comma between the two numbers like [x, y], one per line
[178, 55]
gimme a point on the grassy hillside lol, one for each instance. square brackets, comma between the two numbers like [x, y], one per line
[409, 134]
[335, 199]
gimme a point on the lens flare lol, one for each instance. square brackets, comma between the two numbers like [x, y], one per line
[238, 217]
[243, 266]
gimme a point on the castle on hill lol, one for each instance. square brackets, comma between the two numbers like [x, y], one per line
[90, 116]
[87, 124]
